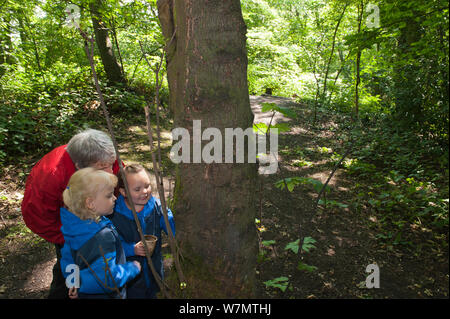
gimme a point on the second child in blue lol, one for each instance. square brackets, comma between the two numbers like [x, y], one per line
[150, 216]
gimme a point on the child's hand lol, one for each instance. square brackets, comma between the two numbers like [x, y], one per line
[73, 293]
[137, 264]
[139, 249]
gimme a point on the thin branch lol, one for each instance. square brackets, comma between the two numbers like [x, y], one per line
[104, 284]
[173, 244]
[270, 124]
[135, 68]
[171, 39]
[157, 166]
[116, 42]
[156, 102]
[107, 269]
[332, 51]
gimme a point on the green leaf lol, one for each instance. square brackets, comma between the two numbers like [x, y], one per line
[341, 205]
[280, 283]
[294, 246]
[308, 244]
[301, 163]
[289, 182]
[267, 243]
[316, 183]
[290, 187]
[332, 203]
[260, 128]
[308, 268]
[282, 127]
[272, 107]
[267, 107]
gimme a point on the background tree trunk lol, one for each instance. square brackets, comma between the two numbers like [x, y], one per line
[358, 61]
[5, 44]
[105, 46]
[407, 87]
[214, 203]
[330, 59]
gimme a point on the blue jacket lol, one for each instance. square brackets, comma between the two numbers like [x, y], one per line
[84, 238]
[152, 222]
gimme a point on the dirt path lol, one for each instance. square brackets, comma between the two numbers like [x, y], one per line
[345, 244]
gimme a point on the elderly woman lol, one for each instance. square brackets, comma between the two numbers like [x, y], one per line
[47, 181]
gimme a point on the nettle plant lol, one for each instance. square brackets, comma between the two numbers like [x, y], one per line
[263, 128]
[282, 282]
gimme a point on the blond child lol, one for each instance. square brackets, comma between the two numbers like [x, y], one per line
[91, 241]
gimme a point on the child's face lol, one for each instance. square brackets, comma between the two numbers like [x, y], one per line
[103, 202]
[140, 188]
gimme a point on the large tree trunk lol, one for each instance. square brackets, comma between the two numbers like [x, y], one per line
[214, 203]
[104, 44]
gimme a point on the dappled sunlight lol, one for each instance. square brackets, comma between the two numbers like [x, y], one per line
[142, 148]
[323, 176]
[166, 139]
[298, 130]
[343, 189]
[137, 130]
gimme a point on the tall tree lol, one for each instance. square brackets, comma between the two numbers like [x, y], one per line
[358, 60]
[112, 69]
[214, 203]
[5, 43]
[332, 51]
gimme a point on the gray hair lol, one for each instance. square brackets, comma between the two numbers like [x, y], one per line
[89, 147]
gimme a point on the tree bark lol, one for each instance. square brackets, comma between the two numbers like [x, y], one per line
[214, 204]
[104, 45]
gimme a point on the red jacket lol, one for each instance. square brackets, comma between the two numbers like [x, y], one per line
[43, 194]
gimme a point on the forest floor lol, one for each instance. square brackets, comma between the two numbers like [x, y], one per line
[347, 240]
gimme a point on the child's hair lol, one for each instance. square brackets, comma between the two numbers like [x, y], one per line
[86, 183]
[134, 169]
